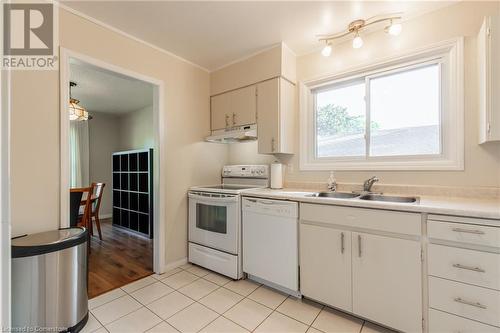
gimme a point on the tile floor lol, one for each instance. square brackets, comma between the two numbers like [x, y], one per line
[193, 299]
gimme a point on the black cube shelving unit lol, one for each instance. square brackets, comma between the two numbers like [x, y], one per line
[133, 190]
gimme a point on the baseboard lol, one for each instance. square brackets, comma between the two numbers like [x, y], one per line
[105, 216]
[175, 264]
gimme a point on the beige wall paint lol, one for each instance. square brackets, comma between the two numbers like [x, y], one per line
[110, 133]
[275, 61]
[482, 163]
[35, 131]
[246, 153]
[137, 129]
[34, 161]
[104, 140]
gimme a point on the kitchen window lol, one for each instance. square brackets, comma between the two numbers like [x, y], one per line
[399, 115]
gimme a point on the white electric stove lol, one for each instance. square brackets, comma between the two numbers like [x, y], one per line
[215, 218]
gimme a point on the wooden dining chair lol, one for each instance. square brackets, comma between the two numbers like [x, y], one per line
[85, 205]
[96, 205]
[75, 199]
[83, 219]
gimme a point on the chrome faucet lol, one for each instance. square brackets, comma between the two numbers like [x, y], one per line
[367, 185]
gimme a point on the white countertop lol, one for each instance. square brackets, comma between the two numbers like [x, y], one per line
[468, 207]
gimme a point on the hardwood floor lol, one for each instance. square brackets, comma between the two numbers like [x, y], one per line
[120, 258]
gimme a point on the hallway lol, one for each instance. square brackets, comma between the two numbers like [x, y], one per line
[120, 258]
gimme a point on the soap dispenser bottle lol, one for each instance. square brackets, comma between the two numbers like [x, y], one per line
[332, 182]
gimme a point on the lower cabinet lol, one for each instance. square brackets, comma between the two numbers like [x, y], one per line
[376, 277]
[387, 280]
[325, 269]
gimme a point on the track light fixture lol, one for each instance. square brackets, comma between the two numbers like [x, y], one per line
[327, 50]
[394, 28]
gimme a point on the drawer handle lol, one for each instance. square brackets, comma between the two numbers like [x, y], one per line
[468, 231]
[470, 268]
[476, 304]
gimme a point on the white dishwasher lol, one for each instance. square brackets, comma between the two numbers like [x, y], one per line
[270, 243]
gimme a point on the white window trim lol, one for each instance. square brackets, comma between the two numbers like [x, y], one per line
[450, 53]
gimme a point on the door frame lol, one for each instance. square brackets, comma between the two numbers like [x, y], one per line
[159, 159]
[5, 220]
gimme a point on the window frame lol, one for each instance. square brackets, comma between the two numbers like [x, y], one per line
[449, 57]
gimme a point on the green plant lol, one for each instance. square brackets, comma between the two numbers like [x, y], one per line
[334, 120]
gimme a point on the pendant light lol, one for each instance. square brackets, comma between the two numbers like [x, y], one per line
[76, 111]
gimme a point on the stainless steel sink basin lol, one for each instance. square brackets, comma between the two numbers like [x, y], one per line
[337, 195]
[388, 198]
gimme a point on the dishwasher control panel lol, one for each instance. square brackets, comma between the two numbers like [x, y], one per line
[271, 207]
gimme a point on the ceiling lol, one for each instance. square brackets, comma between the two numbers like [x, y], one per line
[212, 34]
[100, 90]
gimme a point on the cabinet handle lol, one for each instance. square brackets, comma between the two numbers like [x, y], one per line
[234, 118]
[470, 268]
[227, 120]
[342, 242]
[468, 231]
[272, 145]
[476, 304]
[359, 246]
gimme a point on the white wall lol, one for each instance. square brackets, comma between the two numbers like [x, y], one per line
[104, 140]
[35, 160]
[110, 133]
[136, 129]
[482, 163]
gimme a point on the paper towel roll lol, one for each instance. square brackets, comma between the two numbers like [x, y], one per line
[276, 175]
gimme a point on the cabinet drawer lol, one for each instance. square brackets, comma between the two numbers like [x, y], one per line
[464, 300]
[464, 233]
[442, 322]
[469, 266]
[376, 219]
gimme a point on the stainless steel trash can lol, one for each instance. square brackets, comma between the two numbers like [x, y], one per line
[49, 281]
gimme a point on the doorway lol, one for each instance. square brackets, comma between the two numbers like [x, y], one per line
[112, 145]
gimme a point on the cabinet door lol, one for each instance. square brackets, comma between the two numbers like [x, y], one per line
[243, 106]
[488, 44]
[387, 281]
[268, 125]
[287, 119]
[220, 108]
[325, 265]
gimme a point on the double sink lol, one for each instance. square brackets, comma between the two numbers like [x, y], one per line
[365, 196]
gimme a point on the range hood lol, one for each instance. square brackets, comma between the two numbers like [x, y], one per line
[234, 135]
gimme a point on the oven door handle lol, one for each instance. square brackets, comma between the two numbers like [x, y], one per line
[214, 198]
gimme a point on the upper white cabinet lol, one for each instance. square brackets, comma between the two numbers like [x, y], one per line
[234, 108]
[275, 116]
[267, 98]
[488, 43]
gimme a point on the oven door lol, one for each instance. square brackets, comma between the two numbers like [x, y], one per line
[214, 220]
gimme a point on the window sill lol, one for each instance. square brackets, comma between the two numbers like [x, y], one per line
[408, 165]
